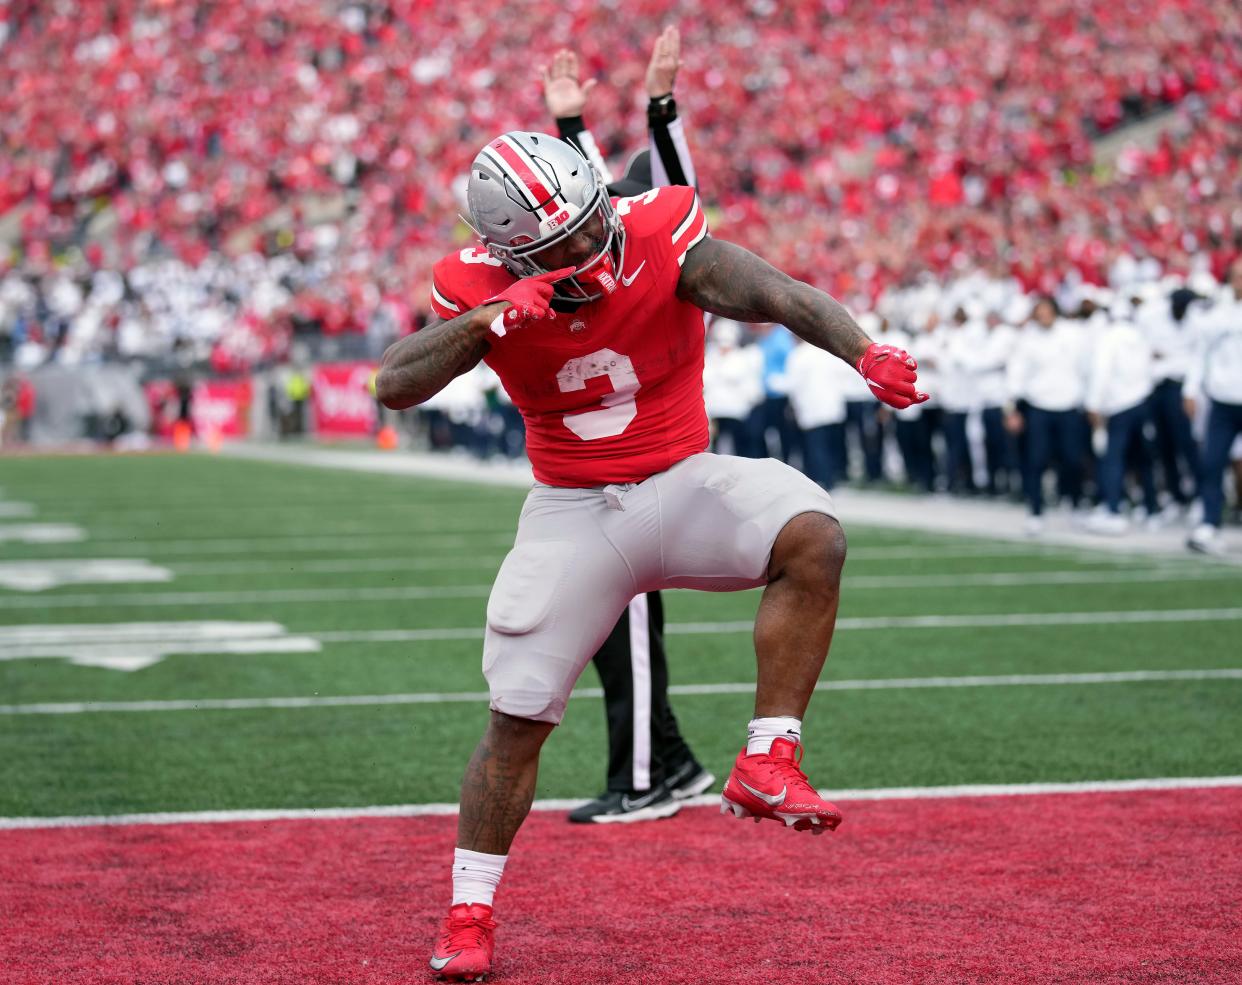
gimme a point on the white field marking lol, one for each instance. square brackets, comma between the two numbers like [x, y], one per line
[338, 542]
[133, 646]
[16, 511]
[1003, 579]
[38, 576]
[421, 563]
[258, 596]
[412, 592]
[336, 565]
[343, 524]
[706, 800]
[41, 533]
[848, 623]
[474, 697]
[1001, 619]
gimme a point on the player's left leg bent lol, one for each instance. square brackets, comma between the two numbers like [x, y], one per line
[739, 523]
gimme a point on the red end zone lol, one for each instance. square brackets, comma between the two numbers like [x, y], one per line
[1091, 888]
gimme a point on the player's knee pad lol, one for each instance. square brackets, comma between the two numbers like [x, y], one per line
[527, 585]
[527, 679]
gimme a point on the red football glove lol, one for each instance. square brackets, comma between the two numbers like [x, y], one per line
[529, 298]
[889, 373]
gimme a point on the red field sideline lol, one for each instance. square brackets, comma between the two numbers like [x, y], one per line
[1092, 888]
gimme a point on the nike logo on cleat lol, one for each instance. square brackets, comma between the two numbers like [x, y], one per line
[772, 800]
[638, 802]
[438, 964]
[627, 281]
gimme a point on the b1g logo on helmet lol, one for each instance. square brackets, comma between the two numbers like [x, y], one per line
[561, 218]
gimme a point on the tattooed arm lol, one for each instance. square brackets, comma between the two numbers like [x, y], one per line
[419, 366]
[727, 280]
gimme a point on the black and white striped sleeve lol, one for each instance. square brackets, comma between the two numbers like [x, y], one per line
[671, 163]
[573, 130]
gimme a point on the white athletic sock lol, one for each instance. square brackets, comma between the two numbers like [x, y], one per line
[476, 876]
[761, 731]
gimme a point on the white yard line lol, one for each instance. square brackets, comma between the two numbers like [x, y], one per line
[434, 810]
[1002, 619]
[411, 562]
[337, 565]
[260, 596]
[473, 697]
[1015, 579]
[247, 546]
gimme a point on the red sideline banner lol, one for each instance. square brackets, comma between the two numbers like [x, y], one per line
[162, 399]
[342, 401]
[221, 407]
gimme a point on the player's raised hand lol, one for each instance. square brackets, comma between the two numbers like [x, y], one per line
[529, 299]
[562, 92]
[890, 374]
[665, 60]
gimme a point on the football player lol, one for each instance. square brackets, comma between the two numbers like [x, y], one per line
[651, 768]
[591, 312]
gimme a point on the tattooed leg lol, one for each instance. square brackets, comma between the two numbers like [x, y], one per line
[793, 627]
[499, 785]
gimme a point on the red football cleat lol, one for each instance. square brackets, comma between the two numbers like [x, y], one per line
[464, 951]
[773, 786]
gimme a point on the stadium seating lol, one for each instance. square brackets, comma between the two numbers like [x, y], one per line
[856, 145]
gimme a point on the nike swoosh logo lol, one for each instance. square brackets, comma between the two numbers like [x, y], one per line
[437, 964]
[772, 800]
[627, 281]
[631, 805]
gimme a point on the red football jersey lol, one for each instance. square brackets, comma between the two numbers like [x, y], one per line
[612, 392]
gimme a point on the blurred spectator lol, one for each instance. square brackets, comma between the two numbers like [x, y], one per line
[1047, 377]
[818, 403]
[773, 423]
[1171, 338]
[1119, 387]
[1215, 376]
[732, 389]
[988, 366]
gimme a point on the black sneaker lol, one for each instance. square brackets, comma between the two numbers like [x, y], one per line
[689, 780]
[616, 807]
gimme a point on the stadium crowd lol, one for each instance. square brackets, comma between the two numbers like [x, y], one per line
[858, 146]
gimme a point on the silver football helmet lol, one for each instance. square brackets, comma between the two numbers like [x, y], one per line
[534, 201]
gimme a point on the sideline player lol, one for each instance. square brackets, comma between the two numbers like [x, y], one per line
[651, 768]
[626, 499]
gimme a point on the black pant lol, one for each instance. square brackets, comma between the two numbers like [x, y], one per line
[821, 456]
[914, 441]
[776, 416]
[863, 418]
[1000, 451]
[1223, 425]
[1059, 435]
[958, 467]
[1127, 447]
[740, 435]
[1179, 455]
[644, 742]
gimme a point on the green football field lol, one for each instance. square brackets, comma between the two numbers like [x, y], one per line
[957, 660]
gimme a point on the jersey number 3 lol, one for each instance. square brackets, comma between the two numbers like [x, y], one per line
[617, 409]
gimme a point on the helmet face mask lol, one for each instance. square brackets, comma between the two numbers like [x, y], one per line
[539, 206]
